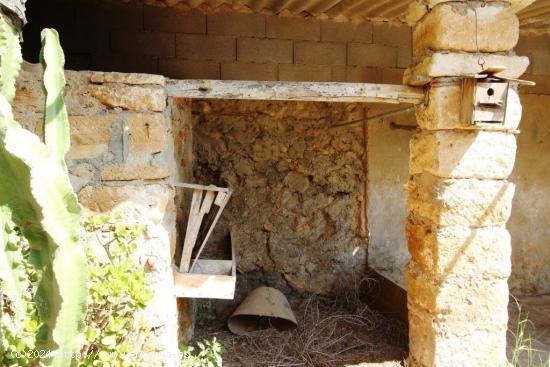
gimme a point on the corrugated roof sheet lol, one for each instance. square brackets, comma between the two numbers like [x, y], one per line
[535, 18]
[350, 9]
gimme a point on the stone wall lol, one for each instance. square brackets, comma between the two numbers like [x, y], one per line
[388, 252]
[459, 196]
[120, 154]
[530, 258]
[528, 224]
[388, 172]
[530, 212]
[209, 43]
[212, 44]
[536, 47]
[299, 186]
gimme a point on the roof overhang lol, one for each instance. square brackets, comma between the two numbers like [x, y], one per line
[533, 18]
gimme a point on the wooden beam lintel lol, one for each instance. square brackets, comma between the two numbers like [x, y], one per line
[294, 91]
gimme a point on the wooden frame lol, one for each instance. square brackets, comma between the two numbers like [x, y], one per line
[294, 91]
[203, 199]
[208, 279]
[200, 278]
[217, 278]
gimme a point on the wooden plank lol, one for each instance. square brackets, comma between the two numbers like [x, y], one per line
[220, 199]
[209, 279]
[467, 100]
[207, 203]
[221, 204]
[190, 285]
[213, 267]
[193, 226]
[200, 187]
[294, 91]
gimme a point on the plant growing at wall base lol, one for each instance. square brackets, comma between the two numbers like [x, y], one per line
[115, 334]
[19, 323]
[36, 192]
[209, 354]
[523, 352]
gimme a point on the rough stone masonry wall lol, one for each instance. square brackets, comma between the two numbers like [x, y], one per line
[297, 209]
[120, 155]
[459, 198]
[213, 44]
[388, 150]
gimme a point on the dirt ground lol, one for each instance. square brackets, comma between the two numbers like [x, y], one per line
[335, 332]
[342, 330]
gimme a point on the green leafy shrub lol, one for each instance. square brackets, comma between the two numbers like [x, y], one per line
[115, 333]
[209, 354]
[19, 322]
[117, 287]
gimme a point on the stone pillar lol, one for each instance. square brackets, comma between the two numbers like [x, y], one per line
[459, 199]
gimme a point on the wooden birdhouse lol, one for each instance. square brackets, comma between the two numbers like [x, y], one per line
[484, 97]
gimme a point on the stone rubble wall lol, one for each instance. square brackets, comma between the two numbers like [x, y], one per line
[121, 153]
[299, 186]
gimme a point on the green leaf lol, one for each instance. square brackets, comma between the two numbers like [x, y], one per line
[91, 333]
[109, 340]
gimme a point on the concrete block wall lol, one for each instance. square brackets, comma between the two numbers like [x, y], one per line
[183, 43]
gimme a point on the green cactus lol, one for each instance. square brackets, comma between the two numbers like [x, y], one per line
[35, 187]
[10, 58]
[56, 121]
[12, 271]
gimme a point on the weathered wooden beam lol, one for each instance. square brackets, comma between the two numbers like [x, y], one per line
[294, 91]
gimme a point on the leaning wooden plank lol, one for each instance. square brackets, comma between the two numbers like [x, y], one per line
[207, 203]
[295, 91]
[191, 231]
[200, 187]
[221, 201]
